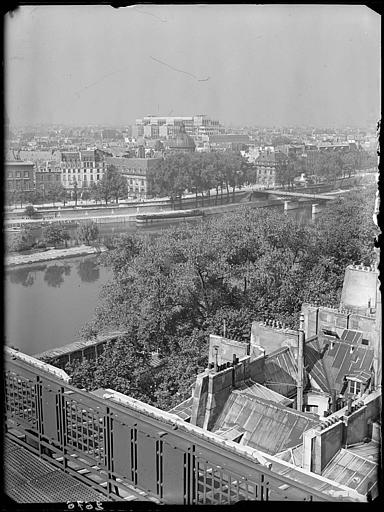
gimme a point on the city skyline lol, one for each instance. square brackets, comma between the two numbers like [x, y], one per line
[179, 60]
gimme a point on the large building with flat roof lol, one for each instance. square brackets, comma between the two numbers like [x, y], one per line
[200, 127]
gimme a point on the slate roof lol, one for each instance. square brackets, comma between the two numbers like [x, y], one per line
[267, 426]
[258, 390]
[353, 471]
[281, 372]
[184, 409]
[329, 365]
[293, 455]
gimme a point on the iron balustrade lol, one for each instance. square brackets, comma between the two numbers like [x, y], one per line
[116, 448]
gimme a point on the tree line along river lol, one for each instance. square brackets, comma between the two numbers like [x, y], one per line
[46, 304]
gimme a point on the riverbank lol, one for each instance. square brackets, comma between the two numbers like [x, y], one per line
[52, 254]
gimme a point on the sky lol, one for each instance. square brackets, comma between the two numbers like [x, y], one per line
[265, 65]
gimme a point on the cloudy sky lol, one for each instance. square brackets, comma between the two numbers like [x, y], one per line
[246, 65]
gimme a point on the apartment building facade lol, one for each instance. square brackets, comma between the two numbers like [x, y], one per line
[19, 176]
[82, 168]
[136, 172]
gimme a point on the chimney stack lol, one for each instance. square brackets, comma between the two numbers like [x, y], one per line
[300, 365]
[216, 366]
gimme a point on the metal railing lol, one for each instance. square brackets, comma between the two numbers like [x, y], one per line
[115, 443]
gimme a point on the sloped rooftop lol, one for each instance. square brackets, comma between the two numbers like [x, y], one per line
[354, 471]
[328, 365]
[281, 372]
[293, 455]
[184, 409]
[267, 426]
[259, 391]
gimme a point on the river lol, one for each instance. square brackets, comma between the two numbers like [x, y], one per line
[46, 304]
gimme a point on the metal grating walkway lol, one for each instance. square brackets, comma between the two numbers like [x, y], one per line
[28, 479]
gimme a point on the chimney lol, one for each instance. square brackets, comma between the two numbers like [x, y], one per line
[216, 366]
[300, 365]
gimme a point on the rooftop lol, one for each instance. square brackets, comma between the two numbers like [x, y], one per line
[328, 362]
[353, 470]
[267, 426]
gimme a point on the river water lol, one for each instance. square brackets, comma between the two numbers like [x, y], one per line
[46, 304]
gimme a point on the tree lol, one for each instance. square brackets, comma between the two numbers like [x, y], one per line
[159, 146]
[94, 191]
[88, 232]
[350, 161]
[37, 196]
[112, 185]
[30, 211]
[86, 195]
[54, 234]
[171, 292]
[20, 196]
[121, 366]
[21, 241]
[55, 192]
[75, 191]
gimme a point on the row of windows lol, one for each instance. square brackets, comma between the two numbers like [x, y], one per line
[68, 171]
[81, 163]
[136, 189]
[18, 174]
[19, 185]
[132, 182]
[78, 178]
[48, 177]
[265, 171]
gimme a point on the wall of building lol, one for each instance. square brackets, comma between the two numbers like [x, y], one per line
[317, 318]
[19, 176]
[200, 396]
[213, 388]
[225, 349]
[269, 337]
[320, 446]
[331, 442]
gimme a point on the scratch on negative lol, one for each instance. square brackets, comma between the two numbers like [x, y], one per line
[180, 70]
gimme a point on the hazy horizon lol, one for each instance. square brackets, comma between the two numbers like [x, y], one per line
[265, 65]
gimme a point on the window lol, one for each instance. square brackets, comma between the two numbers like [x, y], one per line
[354, 387]
[26, 174]
[18, 174]
[10, 175]
[311, 408]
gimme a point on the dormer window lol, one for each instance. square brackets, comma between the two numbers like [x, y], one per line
[352, 349]
[354, 387]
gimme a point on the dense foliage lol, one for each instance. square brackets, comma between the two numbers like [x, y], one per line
[55, 234]
[88, 232]
[199, 173]
[112, 186]
[170, 292]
